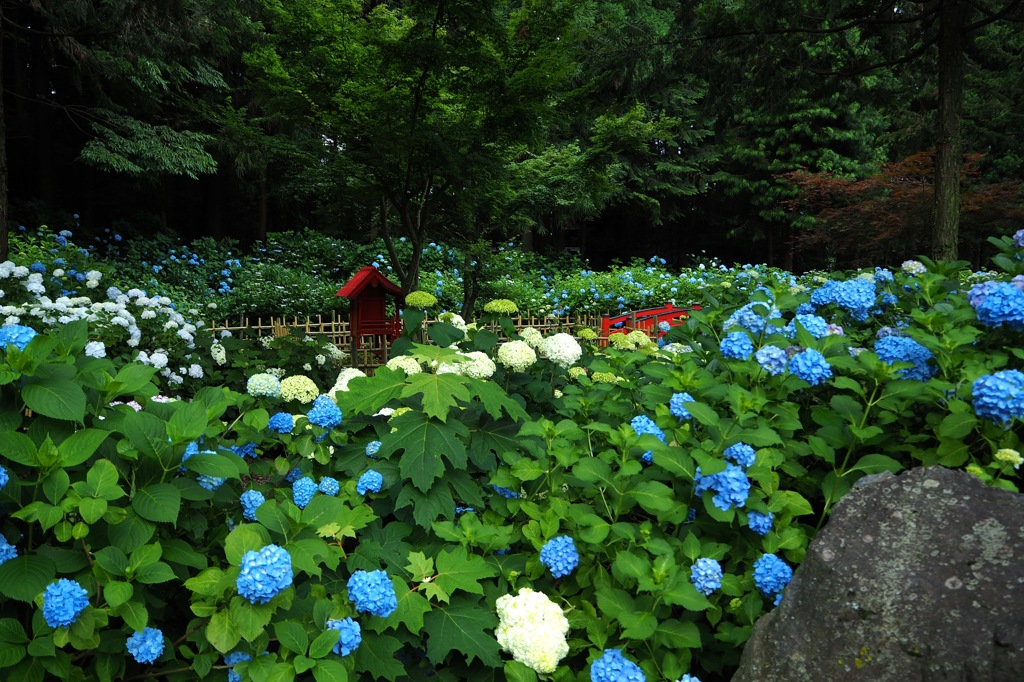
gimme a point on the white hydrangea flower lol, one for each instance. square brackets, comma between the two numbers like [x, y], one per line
[299, 387]
[218, 353]
[158, 359]
[454, 320]
[533, 629]
[406, 363]
[532, 336]
[516, 355]
[480, 367]
[341, 383]
[561, 349]
[95, 349]
[195, 371]
[265, 341]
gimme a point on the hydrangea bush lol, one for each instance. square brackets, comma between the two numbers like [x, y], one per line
[625, 512]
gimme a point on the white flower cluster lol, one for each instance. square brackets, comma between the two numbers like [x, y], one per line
[561, 349]
[477, 366]
[516, 355]
[300, 388]
[532, 336]
[341, 383]
[406, 363]
[532, 628]
[455, 320]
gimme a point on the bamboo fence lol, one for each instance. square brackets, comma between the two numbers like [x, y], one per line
[373, 349]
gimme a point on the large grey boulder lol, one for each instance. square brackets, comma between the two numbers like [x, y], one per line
[914, 577]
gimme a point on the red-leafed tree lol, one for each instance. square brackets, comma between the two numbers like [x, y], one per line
[889, 217]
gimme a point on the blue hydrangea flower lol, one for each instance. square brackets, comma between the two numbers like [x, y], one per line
[251, 501]
[999, 303]
[903, 349]
[772, 359]
[999, 397]
[7, 550]
[16, 335]
[4, 477]
[643, 424]
[264, 574]
[371, 481]
[732, 487]
[753, 316]
[815, 324]
[1018, 239]
[372, 592]
[677, 405]
[243, 451]
[329, 486]
[190, 450]
[760, 523]
[855, 295]
[372, 448]
[231, 659]
[811, 366]
[737, 346]
[146, 646]
[282, 422]
[303, 491]
[63, 603]
[293, 475]
[324, 413]
[706, 575]
[771, 575]
[614, 667]
[349, 635]
[741, 453]
[560, 556]
[507, 493]
[688, 678]
[211, 483]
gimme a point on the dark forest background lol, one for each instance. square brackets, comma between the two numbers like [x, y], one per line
[802, 134]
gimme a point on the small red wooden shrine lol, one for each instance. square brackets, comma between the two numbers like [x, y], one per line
[368, 291]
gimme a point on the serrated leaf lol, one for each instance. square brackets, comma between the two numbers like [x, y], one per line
[134, 614]
[92, 509]
[426, 507]
[638, 624]
[424, 441]
[56, 398]
[23, 577]
[330, 671]
[80, 446]
[292, 636]
[675, 634]
[133, 532]
[653, 496]
[376, 656]
[465, 628]
[216, 464]
[873, 464]
[159, 502]
[187, 423]
[324, 643]
[682, 593]
[957, 425]
[117, 593]
[12, 632]
[222, 633]
[372, 393]
[249, 619]
[17, 447]
[155, 574]
[244, 538]
[703, 414]
[440, 392]
[146, 432]
[457, 570]
[614, 602]
[495, 399]
[411, 606]
[131, 378]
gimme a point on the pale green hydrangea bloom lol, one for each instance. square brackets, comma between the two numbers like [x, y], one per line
[1009, 456]
[561, 349]
[263, 385]
[516, 355]
[300, 388]
[420, 299]
[406, 363]
[533, 629]
[501, 306]
[532, 336]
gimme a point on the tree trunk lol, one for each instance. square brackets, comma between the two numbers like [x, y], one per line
[947, 154]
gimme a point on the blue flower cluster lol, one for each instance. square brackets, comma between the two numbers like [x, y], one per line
[7, 550]
[63, 603]
[4, 477]
[282, 422]
[231, 659]
[329, 486]
[372, 448]
[753, 317]
[904, 349]
[677, 405]
[146, 646]
[324, 413]
[264, 574]
[815, 324]
[854, 295]
[507, 493]
[251, 501]
[742, 454]
[303, 491]
[760, 523]
[772, 359]
[706, 575]
[372, 592]
[999, 397]
[771, 575]
[560, 556]
[614, 667]
[732, 487]
[643, 424]
[370, 482]
[16, 335]
[811, 366]
[737, 346]
[350, 635]
[247, 450]
[998, 303]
